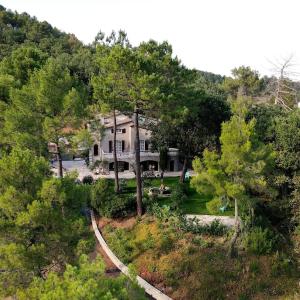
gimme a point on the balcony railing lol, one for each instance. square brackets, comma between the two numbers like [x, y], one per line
[128, 155]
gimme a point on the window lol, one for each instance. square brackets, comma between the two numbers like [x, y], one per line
[142, 145]
[118, 146]
[119, 130]
[96, 150]
[147, 145]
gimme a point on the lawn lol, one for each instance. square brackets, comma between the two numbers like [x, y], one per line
[195, 203]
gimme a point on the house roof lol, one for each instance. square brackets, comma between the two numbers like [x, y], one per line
[109, 125]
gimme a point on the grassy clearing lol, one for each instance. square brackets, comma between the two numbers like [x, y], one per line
[195, 203]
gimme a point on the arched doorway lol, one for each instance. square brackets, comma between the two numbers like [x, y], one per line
[96, 150]
[149, 165]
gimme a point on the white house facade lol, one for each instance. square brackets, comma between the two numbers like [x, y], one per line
[102, 149]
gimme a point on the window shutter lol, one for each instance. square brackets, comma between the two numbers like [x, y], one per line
[123, 146]
[124, 130]
[146, 145]
[110, 146]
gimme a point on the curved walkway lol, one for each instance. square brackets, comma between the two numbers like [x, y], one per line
[151, 290]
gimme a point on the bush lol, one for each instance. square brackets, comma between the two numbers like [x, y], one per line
[254, 267]
[214, 205]
[123, 184]
[120, 206]
[149, 202]
[145, 244]
[178, 195]
[87, 179]
[192, 225]
[167, 243]
[107, 203]
[119, 241]
[85, 246]
[260, 241]
[283, 265]
[198, 241]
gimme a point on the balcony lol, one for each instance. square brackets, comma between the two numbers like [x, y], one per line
[128, 155]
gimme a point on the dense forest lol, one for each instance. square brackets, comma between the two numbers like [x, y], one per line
[240, 134]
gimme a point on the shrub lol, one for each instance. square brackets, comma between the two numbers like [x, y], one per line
[216, 228]
[193, 225]
[198, 241]
[179, 195]
[120, 242]
[107, 203]
[214, 205]
[166, 243]
[120, 206]
[145, 244]
[123, 184]
[87, 179]
[149, 202]
[260, 241]
[254, 267]
[85, 246]
[283, 265]
[102, 192]
[297, 230]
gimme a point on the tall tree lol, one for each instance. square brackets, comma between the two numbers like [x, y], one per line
[40, 229]
[238, 174]
[109, 82]
[86, 281]
[61, 102]
[196, 126]
[245, 82]
[155, 80]
[284, 93]
[23, 122]
[143, 77]
[22, 63]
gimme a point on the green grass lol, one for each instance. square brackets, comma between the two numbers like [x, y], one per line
[195, 203]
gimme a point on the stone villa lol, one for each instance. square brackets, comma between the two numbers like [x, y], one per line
[102, 149]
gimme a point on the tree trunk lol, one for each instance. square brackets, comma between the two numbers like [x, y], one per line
[232, 249]
[60, 166]
[162, 176]
[184, 169]
[116, 170]
[236, 212]
[138, 165]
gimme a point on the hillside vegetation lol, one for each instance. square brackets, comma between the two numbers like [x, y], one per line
[240, 134]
